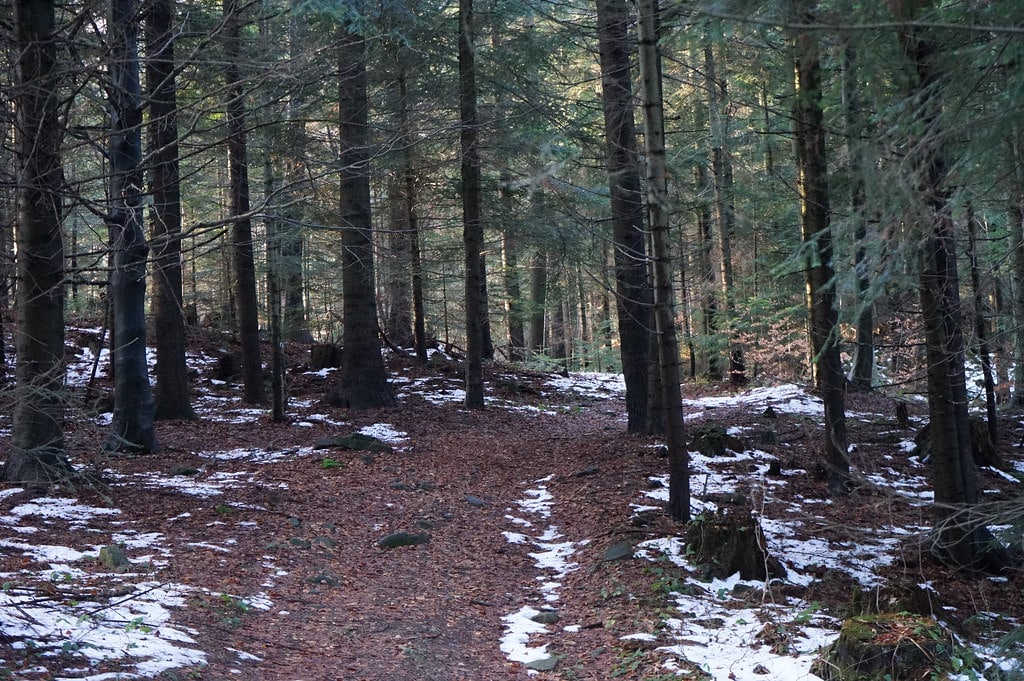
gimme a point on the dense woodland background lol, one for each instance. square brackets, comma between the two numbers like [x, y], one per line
[830, 192]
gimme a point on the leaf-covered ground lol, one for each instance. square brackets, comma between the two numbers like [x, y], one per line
[255, 548]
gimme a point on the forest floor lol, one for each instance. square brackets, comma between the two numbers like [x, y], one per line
[255, 551]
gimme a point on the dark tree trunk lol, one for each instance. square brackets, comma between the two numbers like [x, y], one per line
[172, 387]
[36, 456]
[862, 372]
[399, 263]
[246, 301]
[632, 287]
[514, 308]
[709, 289]
[538, 299]
[132, 426]
[981, 335]
[1016, 229]
[472, 222]
[721, 171]
[815, 221]
[961, 537]
[363, 383]
[664, 307]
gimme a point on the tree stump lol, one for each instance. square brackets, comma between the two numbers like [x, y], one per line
[324, 356]
[712, 440]
[983, 449]
[730, 542]
[887, 647]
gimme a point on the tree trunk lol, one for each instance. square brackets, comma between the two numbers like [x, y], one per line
[363, 381]
[172, 385]
[132, 426]
[1016, 228]
[472, 222]
[862, 372]
[658, 210]
[721, 171]
[632, 286]
[398, 283]
[961, 537]
[538, 299]
[981, 327]
[36, 456]
[709, 290]
[246, 301]
[510, 273]
[815, 221]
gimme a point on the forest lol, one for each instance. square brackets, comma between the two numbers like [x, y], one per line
[249, 226]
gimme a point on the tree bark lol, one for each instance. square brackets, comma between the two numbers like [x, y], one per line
[131, 428]
[664, 307]
[399, 318]
[363, 381]
[981, 336]
[172, 386]
[246, 301]
[721, 171]
[514, 309]
[36, 456]
[815, 221]
[961, 537]
[472, 221]
[862, 372]
[632, 286]
[538, 299]
[709, 289]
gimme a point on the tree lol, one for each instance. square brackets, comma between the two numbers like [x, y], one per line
[632, 287]
[725, 208]
[472, 221]
[172, 387]
[961, 537]
[131, 428]
[815, 224]
[37, 457]
[246, 300]
[658, 210]
[362, 383]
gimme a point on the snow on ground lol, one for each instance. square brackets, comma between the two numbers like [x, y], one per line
[553, 559]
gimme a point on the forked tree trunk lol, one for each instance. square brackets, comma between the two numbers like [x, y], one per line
[246, 301]
[664, 308]
[363, 380]
[172, 385]
[131, 427]
[36, 456]
[815, 221]
[632, 286]
[472, 221]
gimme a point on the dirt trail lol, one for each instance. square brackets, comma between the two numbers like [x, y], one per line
[348, 609]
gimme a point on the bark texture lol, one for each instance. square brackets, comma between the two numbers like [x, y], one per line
[36, 456]
[632, 287]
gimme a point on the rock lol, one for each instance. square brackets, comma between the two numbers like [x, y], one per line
[545, 664]
[186, 471]
[546, 617]
[712, 440]
[113, 558]
[299, 543]
[402, 487]
[475, 501]
[355, 442]
[396, 539]
[325, 577]
[619, 550]
[326, 542]
[592, 469]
